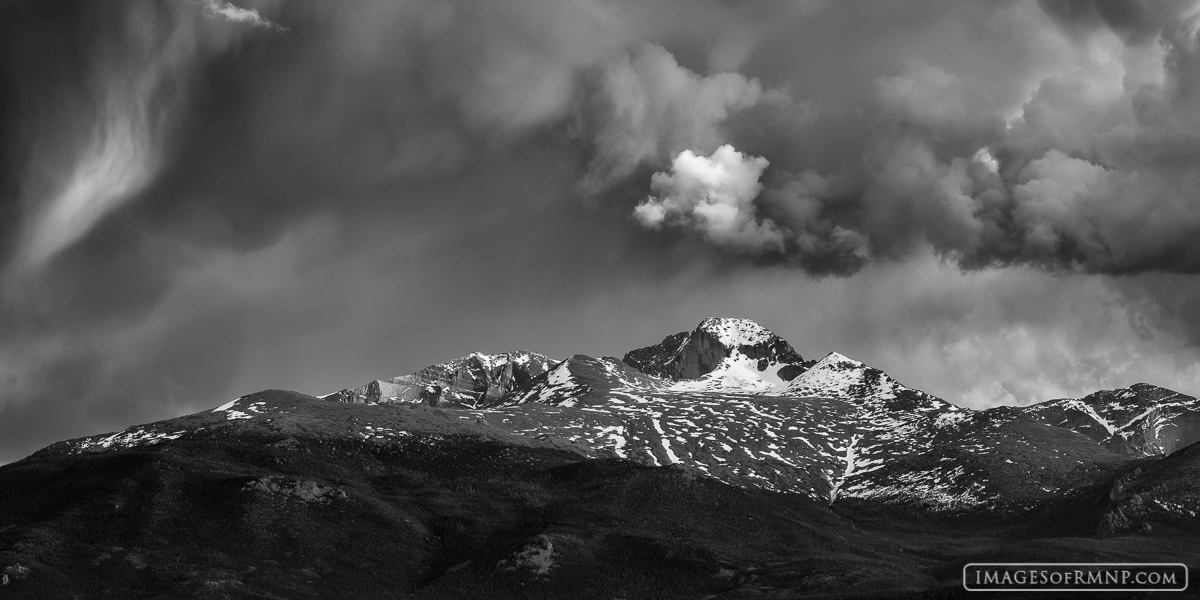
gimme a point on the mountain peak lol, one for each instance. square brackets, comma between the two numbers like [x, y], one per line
[843, 376]
[838, 375]
[721, 346]
[837, 358]
[734, 332]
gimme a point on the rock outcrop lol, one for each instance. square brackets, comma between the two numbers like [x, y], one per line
[474, 380]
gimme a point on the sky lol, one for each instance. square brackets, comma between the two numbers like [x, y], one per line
[996, 201]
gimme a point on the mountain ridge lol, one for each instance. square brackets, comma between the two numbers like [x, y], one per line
[838, 428]
[499, 474]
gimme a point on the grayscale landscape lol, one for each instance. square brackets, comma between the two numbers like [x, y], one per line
[594, 298]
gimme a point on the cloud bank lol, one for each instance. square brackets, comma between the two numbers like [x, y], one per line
[1094, 172]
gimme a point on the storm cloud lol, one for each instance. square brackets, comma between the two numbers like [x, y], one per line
[1094, 172]
[995, 202]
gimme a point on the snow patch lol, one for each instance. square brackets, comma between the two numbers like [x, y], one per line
[1089, 411]
[537, 557]
[733, 332]
[666, 444]
[951, 420]
[736, 373]
[136, 436]
[848, 467]
[227, 405]
[615, 433]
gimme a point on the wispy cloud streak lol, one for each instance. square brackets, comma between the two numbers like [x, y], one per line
[237, 14]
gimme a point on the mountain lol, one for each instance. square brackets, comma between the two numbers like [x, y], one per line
[713, 401]
[1140, 420]
[838, 429]
[717, 462]
[720, 354]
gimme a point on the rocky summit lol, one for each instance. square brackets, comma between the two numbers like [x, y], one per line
[718, 462]
[718, 345]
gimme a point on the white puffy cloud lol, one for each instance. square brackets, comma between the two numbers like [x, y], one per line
[714, 196]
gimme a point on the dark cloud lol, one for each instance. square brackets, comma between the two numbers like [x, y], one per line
[200, 199]
[644, 108]
[1136, 21]
[1093, 173]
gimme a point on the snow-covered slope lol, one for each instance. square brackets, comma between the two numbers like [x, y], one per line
[716, 400]
[837, 376]
[582, 380]
[735, 402]
[1140, 420]
[732, 400]
[737, 372]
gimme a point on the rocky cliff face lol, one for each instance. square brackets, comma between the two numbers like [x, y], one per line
[581, 381]
[473, 380]
[1162, 431]
[658, 359]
